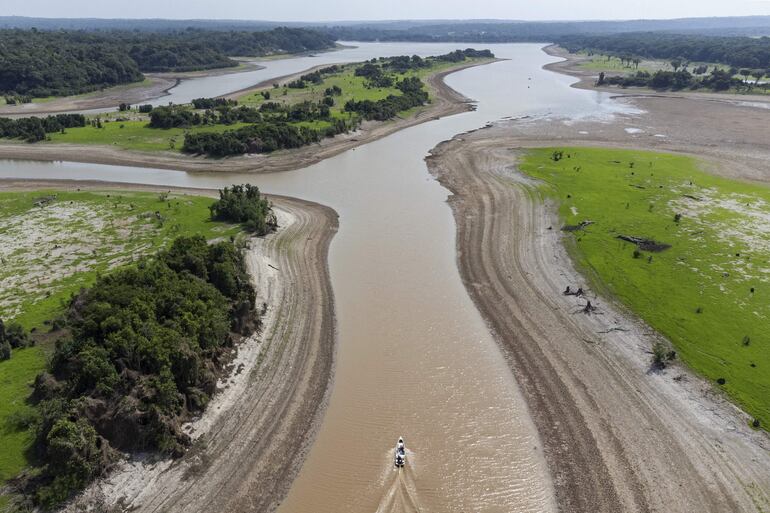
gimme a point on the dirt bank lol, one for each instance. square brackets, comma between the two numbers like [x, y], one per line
[446, 102]
[254, 435]
[617, 436]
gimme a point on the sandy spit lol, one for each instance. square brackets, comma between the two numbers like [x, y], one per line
[255, 434]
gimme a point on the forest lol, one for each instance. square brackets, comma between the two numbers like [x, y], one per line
[139, 353]
[738, 52]
[41, 63]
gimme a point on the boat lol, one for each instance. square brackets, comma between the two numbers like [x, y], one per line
[400, 456]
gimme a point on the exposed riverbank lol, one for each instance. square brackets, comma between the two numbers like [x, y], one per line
[267, 412]
[445, 102]
[617, 437]
[155, 85]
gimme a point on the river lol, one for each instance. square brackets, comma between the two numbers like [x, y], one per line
[415, 359]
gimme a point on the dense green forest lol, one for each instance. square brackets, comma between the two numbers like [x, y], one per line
[139, 353]
[40, 63]
[739, 52]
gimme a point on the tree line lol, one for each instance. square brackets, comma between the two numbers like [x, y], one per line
[717, 80]
[738, 52]
[41, 63]
[34, 129]
[264, 137]
[139, 353]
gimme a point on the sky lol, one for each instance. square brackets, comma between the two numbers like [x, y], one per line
[318, 10]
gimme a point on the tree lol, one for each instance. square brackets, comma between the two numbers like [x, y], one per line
[745, 73]
[601, 79]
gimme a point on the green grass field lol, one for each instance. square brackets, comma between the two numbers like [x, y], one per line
[49, 252]
[134, 135]
[353, 88]
[709, 292]
[601, 62]
[610, 64]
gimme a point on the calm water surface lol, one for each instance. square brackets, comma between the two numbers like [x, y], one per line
[415, 358]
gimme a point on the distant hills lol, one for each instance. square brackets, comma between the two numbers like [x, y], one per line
[423, 30]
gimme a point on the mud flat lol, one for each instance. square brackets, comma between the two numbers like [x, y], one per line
[445, 102]
[617, 437]
[254, 435]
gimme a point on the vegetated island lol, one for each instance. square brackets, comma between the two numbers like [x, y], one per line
[669, 62]
[135, 344]
[336, 107]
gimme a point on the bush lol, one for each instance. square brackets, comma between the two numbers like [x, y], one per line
[660, 355]
[5, 350]
[16, 336]
[244, 204]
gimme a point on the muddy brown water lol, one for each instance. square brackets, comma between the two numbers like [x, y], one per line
[414, 358]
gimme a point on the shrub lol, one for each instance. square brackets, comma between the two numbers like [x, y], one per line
[244, 204]
[659, 355]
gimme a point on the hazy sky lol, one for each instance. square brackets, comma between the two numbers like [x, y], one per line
[319, 10]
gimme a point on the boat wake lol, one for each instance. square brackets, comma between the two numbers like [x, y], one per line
[400, 490]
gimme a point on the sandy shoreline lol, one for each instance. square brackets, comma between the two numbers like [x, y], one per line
[446, 102]
[255, 434]
[617, 437]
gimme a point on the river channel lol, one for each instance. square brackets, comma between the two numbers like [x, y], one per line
[415, 358]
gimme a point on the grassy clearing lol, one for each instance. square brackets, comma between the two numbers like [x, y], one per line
[353, 88]
[49, 252]
[614, 65]
[709, 292]
[608, 63]
[134, 135]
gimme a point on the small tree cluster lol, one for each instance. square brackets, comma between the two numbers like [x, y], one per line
[244, 204]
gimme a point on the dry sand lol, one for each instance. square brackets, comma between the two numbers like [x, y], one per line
[255, 434]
